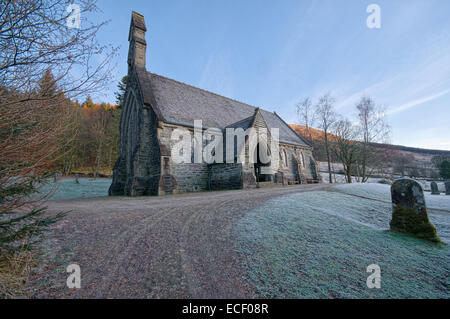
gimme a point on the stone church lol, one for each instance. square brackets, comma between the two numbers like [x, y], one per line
[154, 106]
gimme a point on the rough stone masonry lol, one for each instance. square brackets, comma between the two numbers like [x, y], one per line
[410, 212]
[154, 106]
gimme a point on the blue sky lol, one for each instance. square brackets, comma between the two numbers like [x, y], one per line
[272, 54]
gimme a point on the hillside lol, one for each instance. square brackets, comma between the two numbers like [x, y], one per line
[317, 135]
[412, 158]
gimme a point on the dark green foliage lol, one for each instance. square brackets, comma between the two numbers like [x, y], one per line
[23, 231]
[445, 169]
[20, 226]
[89, 103]
[120, 94]
[23, 169]
[35, 106]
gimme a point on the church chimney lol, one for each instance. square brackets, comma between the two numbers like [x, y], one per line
[138, 46]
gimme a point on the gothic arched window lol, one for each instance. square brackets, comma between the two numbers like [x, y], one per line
[286, 162]
[194, 142]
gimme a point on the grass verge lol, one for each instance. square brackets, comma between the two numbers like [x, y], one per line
[14, 271]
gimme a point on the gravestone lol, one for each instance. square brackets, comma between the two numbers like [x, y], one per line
[447, 188]
[57, 177]
[434, 189]
[410, 212]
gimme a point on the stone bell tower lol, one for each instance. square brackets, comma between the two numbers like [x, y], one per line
[138, 46]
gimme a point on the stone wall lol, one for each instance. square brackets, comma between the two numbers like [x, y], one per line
[148, 157]
[226, 176]
[300, 166]
[191, 177]
[145, 169]
[137, 171]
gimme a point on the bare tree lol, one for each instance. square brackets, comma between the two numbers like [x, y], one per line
[345, 147]
[436, 161]
[98, 124]
[306, 116]
[373, 128]
[35, 107]
[36, 35]
[326, 117]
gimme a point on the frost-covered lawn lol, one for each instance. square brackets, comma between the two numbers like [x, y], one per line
[319, 244]
[383, 192]
[341, 179]
[87, 188]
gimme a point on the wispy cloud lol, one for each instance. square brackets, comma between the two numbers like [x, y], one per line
[217, 75]
[403, 89]
[416, 102]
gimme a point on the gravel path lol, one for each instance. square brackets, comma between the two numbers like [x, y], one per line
[156, 247]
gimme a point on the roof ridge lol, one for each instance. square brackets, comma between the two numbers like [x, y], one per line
[258, 110]
[295, 132]
[240, 121]
[235, 109]
[197, 88]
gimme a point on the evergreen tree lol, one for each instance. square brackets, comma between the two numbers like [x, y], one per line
[47, 85]
[120, 94]
[445, 169]
[29, 139]
[89, 103]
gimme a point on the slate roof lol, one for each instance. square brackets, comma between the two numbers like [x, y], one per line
[244, 124]
[179, 103]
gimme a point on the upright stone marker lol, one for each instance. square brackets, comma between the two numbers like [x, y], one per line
[434, 189]
[410, 212]
[447, 188]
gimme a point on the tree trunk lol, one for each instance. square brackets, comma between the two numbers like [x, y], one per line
[328, 156]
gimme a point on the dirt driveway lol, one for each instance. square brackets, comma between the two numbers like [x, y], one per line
[156, 247]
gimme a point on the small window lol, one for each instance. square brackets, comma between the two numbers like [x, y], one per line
[166, 164]
[286, 162]
[303, 160]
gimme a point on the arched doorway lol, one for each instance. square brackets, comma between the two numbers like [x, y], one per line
[297, 169]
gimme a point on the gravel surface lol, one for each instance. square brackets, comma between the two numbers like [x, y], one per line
[156, 247]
